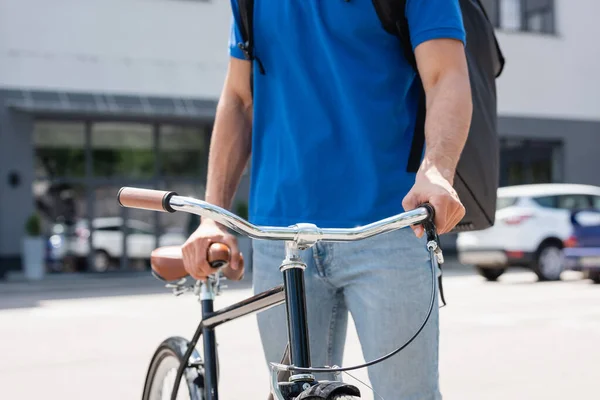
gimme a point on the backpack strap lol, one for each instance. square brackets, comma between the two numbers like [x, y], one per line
[392, 14]
[418, 141]
[246, 11]
[246, 25]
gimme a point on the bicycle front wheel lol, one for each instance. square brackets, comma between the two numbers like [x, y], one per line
[162, 373]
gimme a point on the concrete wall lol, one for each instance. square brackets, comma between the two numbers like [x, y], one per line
[554, 76]
[179, 48]
[154, 47]
[16, 155]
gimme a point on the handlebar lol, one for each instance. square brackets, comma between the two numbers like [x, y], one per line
[302, 233]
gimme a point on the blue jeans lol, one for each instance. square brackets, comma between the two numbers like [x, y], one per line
[385, 282]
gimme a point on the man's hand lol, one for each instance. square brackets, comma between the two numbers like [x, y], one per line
[195, 251]
[432, 187]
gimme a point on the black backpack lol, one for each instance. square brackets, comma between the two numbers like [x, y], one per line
[477, 174]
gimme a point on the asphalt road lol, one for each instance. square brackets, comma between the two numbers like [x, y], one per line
[92, 338]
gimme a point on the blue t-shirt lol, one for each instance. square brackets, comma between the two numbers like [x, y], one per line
[334, 112]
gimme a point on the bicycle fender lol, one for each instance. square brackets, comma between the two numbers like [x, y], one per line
[324, 390]
[193, 374]
[179, 345]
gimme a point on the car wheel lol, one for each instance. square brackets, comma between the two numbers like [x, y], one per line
[139, 264]
[490, 274]
[594, 276]
[101, 261]
[549, 263]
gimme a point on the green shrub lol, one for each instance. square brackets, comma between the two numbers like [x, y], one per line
[33, 226]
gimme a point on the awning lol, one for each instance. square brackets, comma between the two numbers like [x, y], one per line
[103, 105]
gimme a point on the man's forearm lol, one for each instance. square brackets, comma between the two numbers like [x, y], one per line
[449, 111]
[230, 148]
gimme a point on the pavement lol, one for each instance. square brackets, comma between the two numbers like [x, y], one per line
[92, 337]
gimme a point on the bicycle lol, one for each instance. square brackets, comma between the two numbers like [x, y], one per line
[176, 363]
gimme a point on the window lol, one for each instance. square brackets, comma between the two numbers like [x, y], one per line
[522, 15]
[123, 149]
[596, 202]
[59, 149]
[504, 202]
[81, 165]
[109, 229]
[183, 151]
[565, 202]
[524, 161]
[538, 16]
[510, 14]
[574, 201]
[546, 201]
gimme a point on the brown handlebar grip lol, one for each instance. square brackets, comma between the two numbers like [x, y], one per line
[219, 255]
[146, 199]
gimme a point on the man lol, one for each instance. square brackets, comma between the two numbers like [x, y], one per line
[329, 128]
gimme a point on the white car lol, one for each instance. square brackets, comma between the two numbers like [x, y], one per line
[107, 241]
[532, 222]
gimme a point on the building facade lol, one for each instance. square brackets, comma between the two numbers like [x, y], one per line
[548, 93]
[96, 95]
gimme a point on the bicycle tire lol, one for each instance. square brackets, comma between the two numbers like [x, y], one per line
[162, 371]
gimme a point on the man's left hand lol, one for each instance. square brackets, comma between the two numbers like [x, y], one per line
[432, 187]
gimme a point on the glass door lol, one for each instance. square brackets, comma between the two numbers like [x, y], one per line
[123, 153]
[81, 165]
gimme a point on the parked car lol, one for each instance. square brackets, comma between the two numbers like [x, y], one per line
[532, 223]
[107, 241]
[582, 248]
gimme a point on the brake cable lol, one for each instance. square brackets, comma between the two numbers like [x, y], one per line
[433, 245]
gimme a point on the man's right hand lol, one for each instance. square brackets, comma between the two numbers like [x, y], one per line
[195, 249]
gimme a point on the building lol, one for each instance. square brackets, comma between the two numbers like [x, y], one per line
[96, 95]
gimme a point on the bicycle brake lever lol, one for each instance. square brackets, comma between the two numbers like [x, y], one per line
[433, 239]
[437, 251]
[179, 291]
[435, 248]
[179, 287]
